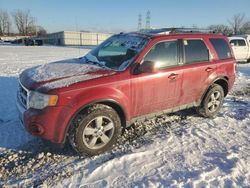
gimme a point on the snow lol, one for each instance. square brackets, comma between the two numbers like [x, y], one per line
[129, 41]
[176, 150]
[62, 73]
[59, 69]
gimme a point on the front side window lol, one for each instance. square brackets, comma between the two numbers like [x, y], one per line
[164, 54]
[221, 47]
[118, 51]
[233, 42]
[195, 51]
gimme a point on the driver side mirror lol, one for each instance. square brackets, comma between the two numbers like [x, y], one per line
[148, 67]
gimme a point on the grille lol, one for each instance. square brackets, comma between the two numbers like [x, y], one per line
[23, 95]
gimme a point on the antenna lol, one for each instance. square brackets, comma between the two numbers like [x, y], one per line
[148, 17]
[139, 22]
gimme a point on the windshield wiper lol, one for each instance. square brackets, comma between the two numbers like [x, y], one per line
[88, 61]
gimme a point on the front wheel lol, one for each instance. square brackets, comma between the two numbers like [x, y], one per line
[95, 130]
[212, 102]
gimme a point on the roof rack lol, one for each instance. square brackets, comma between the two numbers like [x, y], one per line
[177, 30]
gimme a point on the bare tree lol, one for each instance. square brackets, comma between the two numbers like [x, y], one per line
[245, 28]
[40, 31]
[237, 22]
[24, 22]
[221, 28]
[5, 22]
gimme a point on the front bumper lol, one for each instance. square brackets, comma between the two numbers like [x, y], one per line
[49, 123]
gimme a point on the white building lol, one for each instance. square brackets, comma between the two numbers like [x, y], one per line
[76, 38]
[12, 38]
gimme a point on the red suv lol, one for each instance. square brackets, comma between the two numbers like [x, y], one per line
[129, 76]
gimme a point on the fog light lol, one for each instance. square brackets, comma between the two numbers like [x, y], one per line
[36, 129]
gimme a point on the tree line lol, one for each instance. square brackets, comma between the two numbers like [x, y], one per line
[238, 24]
[23, 22]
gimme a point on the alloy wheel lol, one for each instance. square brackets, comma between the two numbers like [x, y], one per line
[214, 101]
[98, 132]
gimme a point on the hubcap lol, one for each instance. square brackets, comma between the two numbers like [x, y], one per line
[214, 101]
[98, 132]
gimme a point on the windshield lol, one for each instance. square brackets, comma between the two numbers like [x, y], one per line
[118, 51]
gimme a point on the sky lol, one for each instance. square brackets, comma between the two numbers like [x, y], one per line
[122, 15]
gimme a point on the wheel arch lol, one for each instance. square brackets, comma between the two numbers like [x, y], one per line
[222, 81]
[109, 102]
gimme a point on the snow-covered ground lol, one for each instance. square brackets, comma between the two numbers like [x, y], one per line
[177, 150]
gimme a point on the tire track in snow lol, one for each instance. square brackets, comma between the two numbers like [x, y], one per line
[36, 167]
[50, 171]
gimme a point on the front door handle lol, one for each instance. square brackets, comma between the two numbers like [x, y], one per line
[209, 69]
[172, 76]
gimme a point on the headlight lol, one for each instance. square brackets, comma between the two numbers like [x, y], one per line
[39, 100]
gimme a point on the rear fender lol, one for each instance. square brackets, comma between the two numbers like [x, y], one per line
[207, 89]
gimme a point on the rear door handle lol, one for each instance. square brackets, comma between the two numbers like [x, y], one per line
[209, 69]
[172, 76]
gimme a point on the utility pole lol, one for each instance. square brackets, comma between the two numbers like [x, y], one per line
[148, 17]
[139, 22]
[80, 38]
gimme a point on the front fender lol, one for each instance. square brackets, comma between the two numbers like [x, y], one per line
[91, 96]
[86, 98]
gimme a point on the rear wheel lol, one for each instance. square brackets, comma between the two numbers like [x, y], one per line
[212, 101]
[95, 130]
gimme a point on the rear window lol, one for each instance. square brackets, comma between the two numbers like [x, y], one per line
[221, 47]
[195, 51]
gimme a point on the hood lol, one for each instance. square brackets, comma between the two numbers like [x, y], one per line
[61, 74]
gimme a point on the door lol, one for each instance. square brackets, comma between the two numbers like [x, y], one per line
[240, 48]
[153, 92]
[197, 69]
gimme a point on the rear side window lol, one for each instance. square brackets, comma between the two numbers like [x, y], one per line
[221, 47]
[241, 43]
[195, 51]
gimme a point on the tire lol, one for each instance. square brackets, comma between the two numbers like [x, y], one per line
[212, 102]
[95, 130]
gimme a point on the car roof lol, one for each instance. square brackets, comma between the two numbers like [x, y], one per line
[236, 38]
[185, 32]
